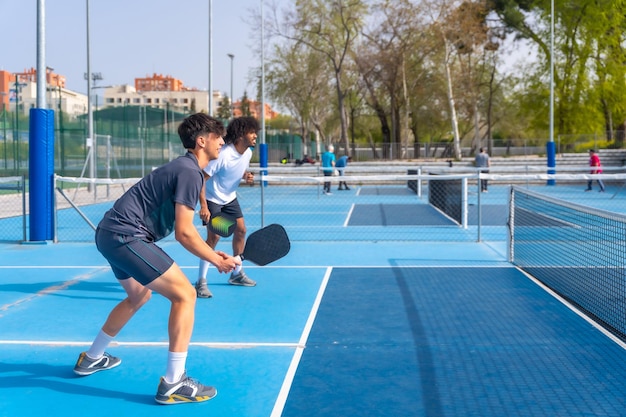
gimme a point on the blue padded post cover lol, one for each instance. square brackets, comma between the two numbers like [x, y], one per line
[41, 174]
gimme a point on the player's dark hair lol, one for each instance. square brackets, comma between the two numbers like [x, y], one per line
[239, 127]
[197, 124]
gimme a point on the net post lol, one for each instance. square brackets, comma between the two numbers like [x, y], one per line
[551, 156]
[55, 228]
[464, 202]
[511, 225]
[419, 182]
[23, 191]
[479, 206]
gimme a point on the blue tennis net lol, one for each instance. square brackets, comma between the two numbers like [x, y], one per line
[579, 252]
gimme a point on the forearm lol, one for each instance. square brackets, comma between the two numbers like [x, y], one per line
[194, 243]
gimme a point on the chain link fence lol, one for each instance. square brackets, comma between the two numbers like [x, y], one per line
[13, 209]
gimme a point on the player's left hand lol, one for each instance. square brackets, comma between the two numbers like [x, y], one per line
[249, 178]
[205, 214]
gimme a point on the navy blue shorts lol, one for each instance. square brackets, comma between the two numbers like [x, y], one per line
[132, 257]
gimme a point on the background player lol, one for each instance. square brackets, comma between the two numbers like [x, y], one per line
[223, 176]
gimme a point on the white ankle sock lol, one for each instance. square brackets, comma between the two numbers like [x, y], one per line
[99, 344]
[203, 269]
[175, 366]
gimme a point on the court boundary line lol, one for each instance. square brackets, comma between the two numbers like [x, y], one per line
[346, 222]
[504, 262]
[61, 343]
[281, 399]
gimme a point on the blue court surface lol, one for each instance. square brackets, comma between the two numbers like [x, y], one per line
[336, 328]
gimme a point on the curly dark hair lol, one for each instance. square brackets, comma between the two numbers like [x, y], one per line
[197, 124]
[239, 127]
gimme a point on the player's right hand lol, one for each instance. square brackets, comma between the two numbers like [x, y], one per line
[227, 263]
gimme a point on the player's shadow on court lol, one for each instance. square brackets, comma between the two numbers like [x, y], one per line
[61, 379]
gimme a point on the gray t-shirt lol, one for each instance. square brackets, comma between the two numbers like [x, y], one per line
[482, 160]
[146, 210]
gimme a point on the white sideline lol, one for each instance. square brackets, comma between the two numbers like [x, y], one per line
[279, 405]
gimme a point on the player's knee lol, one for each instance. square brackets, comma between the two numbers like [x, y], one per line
[189, 294]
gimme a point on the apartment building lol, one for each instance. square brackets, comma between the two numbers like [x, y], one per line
[167, 92]
[18, 91]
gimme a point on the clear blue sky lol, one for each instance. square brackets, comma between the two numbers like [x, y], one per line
[136, 38]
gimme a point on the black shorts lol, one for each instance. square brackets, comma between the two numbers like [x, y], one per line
[132, 257]
[233, 209]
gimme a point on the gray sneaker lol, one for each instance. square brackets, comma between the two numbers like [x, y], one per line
[87, 366]
[187, 390]
[241, 279]
[202, 289]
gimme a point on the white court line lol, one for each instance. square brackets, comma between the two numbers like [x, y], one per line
[144, 344]
[345, 223]
[53, 266]
[279, 405]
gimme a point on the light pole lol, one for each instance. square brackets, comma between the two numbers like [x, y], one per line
[551, 146]
[90, 141]
[4, 127]
[210, 58]
[232, 102]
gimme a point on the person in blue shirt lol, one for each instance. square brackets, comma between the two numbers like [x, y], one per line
[341, 165]
[328, 166]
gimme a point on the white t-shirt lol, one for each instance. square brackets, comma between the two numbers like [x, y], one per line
[225, 174]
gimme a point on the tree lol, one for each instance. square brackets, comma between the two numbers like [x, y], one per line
[298, 81]
[392, 48]
[329, 27]
[245, 105]
[223, 111]
[440, 15]
[588, 56]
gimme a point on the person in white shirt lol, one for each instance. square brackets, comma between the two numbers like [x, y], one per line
[223, 176]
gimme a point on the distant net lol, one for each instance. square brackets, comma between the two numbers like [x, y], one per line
[577, 251]
[449, 196]
[383, 203]
[80, 203]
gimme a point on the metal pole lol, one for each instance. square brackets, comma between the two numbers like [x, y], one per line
[41, 55]
[263, 146]
[210, 58]
[4, 129]
[232, 101]
[262, 75]
[16, 135]
[90, 138]
[550, 147]
[552, 71]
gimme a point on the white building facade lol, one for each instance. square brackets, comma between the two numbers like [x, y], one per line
[183, 101]
[59, 99]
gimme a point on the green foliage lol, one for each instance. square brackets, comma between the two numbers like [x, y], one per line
[245, 105]
[224, 110]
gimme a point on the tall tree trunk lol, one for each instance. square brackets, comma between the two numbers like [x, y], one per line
[453, 118]
[342, 110]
